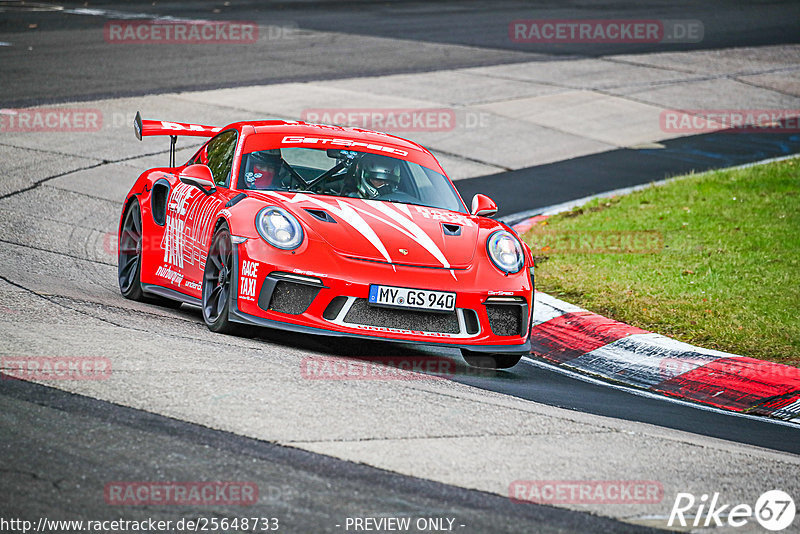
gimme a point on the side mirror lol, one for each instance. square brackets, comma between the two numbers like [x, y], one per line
[199, 176]
[483, 206]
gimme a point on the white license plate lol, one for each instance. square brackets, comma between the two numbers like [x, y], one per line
[403, 297]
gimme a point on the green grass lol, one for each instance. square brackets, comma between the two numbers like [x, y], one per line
[727, 277]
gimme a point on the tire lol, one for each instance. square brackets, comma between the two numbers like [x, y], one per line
[487, 360]
[129, 260]
[129, 255]
[216, 292]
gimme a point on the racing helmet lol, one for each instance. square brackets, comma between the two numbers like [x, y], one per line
[262, 158]
[377, 175]
[262, 166]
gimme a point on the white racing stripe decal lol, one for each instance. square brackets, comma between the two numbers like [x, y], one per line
[386, 222]
[404, 209]
[401, 230]
[419, 234]
[357, 222]
[349, 215]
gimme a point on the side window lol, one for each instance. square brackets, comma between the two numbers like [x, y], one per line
[220, 156]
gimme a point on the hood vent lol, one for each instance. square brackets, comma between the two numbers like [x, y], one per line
[451, 229]
[322, 215]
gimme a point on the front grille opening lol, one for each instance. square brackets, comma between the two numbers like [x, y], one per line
[471, 322]
[291, 298]
[505, 320]
[364, 314]
[333, 309]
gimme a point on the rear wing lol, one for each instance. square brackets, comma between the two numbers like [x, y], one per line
[144, 128]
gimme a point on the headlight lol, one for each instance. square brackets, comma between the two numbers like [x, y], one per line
[505, 251]
[279, 228]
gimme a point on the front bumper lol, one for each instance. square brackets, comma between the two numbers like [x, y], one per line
[327, 293]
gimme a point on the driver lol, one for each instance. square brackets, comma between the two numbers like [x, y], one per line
[377, 175]
[264, 169]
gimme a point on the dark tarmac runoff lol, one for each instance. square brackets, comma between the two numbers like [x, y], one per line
[59, 54]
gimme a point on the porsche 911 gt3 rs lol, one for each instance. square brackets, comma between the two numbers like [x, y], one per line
[321, 229]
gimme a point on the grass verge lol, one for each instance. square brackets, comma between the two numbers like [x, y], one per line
[710, 259]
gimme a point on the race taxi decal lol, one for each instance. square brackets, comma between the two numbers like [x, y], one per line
[189, 226]
[248, 275]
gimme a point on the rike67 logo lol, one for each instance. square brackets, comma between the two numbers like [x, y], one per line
[774, 510]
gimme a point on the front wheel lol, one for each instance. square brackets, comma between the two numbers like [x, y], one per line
[217, 283]
[485, 360]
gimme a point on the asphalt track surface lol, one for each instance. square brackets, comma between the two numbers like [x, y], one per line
[307, 492]
[343, 40]
[311, 490]
[546, 185]
[567, 392]
[540, 384]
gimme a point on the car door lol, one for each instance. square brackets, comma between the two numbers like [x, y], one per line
[191, 213]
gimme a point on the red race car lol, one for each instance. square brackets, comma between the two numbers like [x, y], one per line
[325, 230]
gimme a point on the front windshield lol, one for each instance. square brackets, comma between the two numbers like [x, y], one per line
[347, 173]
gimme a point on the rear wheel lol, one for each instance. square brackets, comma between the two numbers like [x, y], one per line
[217, 283]
[129, 260]
[487, 360]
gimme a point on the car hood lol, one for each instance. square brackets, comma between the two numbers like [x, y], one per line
[389, 232]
